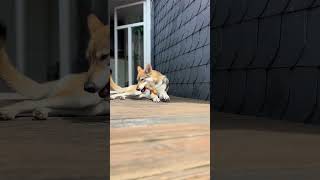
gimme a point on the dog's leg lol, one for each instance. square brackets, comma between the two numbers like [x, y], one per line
[154, 98]
[163, 95]
[80, 104]
[124, 95]
[113, 92]
[151, 96]
[121, 96]
[65, 102]
[100, 109]
[11, 111]
[41, 113]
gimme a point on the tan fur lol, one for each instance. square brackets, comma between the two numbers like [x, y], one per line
[98, 46]
[155, 75]
[17, 81]
[116, 87]
[142, 76]
[157, 80]
[65, 96]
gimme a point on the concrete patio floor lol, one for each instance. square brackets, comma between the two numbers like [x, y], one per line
[160, 141]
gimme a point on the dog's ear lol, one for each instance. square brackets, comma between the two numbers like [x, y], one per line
[139, 69]
[94, 23]
[148, 69]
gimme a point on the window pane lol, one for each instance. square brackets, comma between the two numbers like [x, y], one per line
[137, 50]
[123, 58]
[130, 15]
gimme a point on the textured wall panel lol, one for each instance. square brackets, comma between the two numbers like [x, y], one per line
[266, 60]
[182, 45]
[303, 94]
[255, 91]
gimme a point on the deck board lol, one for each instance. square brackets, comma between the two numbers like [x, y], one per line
[54, 149]
[148, 141]
[251, 148]
[170, 140]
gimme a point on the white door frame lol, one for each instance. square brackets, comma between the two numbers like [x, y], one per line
[146, 36]
[64, 37]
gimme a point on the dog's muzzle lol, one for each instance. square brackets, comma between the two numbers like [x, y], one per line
[105, 92]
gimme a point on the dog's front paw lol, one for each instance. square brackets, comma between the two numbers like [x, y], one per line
[122, 97]
[7, 115]
[164, 97]
[40, 114]
[112, 97]
[156, 99]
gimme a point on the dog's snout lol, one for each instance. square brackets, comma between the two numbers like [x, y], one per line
[90, 87]
[138, 89]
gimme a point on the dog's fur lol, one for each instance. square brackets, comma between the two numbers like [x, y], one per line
[151, 84]
[149, 91]
[66, 96]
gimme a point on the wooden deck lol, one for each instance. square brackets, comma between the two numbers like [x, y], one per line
[148, 141]
[59, 148]
[254, 148]
[70, 148]
[160, 141]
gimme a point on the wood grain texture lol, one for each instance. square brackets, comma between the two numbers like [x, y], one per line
[53, 149]
[248, 147]
[160, 141]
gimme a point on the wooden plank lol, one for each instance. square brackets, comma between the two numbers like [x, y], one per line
[199, 173]
[134, 109]
[157, 132]
[136, 160]
[160, 150]
[160, 140]
[248, 147]
[53, 149]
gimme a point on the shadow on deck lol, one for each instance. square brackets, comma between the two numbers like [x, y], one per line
[253, 148]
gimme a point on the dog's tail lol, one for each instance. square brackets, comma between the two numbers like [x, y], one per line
[14, 79]
[114, 86]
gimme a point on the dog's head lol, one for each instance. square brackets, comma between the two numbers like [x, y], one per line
[144, 78]
[98, 55]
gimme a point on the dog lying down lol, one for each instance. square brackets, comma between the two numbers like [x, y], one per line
[148, 92]
[82, 94]
[151, 85]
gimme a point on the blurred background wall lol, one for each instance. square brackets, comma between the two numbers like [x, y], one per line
[48, 39]
[266, 58]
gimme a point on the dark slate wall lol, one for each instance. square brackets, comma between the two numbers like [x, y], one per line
[182, 46]
[267, 57]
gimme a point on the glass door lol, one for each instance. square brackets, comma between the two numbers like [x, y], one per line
[137, 51]
[122, 60]
[132, 40]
